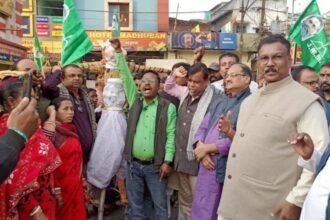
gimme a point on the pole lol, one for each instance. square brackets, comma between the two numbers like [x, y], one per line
[176, 17]
[262, 18]
[241, 30]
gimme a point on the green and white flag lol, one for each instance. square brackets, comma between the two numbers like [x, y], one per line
[38, 53]
[115, 24]
[309, 34]
[75, 42]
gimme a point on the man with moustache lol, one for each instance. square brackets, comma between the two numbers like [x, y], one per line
[262, 176]
[325, 88]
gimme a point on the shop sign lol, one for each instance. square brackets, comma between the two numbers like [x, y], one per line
[42, 19]
[228, 41]
[192, 40]
[132, 41]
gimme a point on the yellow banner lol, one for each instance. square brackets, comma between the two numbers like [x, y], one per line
[57, 33]
[48, 46]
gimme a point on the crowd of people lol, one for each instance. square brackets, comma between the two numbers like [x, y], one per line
[230, 147]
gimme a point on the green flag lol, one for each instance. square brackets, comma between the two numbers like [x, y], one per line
[115, 24]
[38, 53]
[75, 42]
[309, 34]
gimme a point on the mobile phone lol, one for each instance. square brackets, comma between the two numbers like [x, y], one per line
[27, 84]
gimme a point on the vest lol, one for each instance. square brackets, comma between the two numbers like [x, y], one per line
[160, 134]
[262, 167]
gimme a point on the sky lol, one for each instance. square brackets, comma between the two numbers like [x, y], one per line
[198, 6]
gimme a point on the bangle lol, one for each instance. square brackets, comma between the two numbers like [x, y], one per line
[35, 211]
[20, 133]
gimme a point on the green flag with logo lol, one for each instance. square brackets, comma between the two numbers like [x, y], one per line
[75, 42]
[309, 34]
[115, 24]
[38, 53]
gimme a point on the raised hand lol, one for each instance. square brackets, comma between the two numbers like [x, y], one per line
[302, 143]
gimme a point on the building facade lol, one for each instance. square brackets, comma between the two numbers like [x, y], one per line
[144, 26]
[10, 33]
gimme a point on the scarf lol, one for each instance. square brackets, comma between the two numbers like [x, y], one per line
[201, 110]
[63, 131]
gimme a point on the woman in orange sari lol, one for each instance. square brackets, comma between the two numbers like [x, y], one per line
[27, 194]
[68, 177]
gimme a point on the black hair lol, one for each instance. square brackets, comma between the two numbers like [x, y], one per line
[186, 66]
[327, 65]
[137, 76]
[245, 69]
[275, 38]
[199, 67]
[71, 65]
[10, 88]
[58, 101]
[91, 90]
[296, 72]
[229, 54]
[152, 72]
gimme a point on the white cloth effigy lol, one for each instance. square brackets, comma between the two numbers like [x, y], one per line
[106, 158]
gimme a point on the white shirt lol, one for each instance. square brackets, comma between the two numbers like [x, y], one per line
[317, 199]
[219, 85]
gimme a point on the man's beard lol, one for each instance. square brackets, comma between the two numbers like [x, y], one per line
[325, 87]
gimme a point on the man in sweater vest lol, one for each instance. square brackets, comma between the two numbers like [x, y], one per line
[263, 180]
[150, 142]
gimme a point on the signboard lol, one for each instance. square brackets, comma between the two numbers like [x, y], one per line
[228, 41]
[57, 27]
[9, 55]
[27, 25]
[56, 33]
[133, 41]
[57, 19]
[42, 19]
[42, 26]
[192, 40]
[42, 33]
[48, 46]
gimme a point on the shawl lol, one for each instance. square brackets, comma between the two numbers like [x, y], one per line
[201, 110]
[38, 158]
[63, 131]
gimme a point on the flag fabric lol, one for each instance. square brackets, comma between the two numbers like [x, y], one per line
[115, 24]
[38, 53]
[75, 42]
[309, 34]
[196, 29]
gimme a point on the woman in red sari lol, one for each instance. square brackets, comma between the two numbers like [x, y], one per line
[28, 192]
[68, 177]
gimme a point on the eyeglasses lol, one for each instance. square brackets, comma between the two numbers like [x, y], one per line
[275, 59]
[312, 83]
[234, 75]
[149, 80]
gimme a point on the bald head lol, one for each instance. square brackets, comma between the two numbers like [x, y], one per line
[26, 65]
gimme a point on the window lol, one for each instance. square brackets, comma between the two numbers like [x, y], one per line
[124, 9]
[50, 7]
[237, 28]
